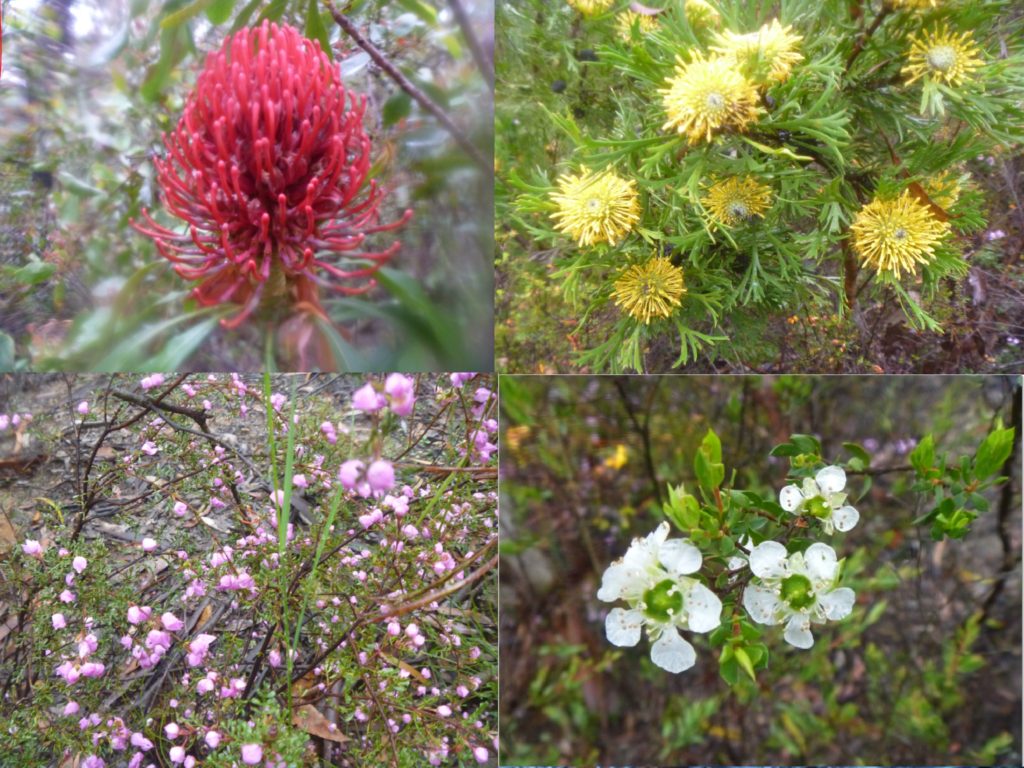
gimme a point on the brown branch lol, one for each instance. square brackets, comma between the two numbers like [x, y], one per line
[862, 41]
[409, 87]
[483, 61]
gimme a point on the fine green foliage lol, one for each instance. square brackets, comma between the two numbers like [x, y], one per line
[836, 128]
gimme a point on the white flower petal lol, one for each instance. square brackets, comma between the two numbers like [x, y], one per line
[657, 537]
[798, 632]
[623, 627]
[768, 560]
[845, 518]
[838, 603]
[821, 562]
[614, 580]
[672, 653]
[762, 604]
[703, 608]
[831, 479]
[791, 497]
[680, 556]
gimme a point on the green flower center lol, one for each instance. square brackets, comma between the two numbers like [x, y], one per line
[941, 57]
[663, 601]
[818, 507]
[796, 590]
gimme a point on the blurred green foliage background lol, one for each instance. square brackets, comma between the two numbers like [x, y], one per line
[87, 89]
[927, 669]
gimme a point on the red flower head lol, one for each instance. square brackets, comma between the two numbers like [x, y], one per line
[268, 166]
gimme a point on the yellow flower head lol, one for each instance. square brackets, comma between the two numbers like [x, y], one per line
[596, 207]
[708, 95]
[652, 289]
[645, 23]
[916, 3]
[701, 14]
[944, 189]
[737, 199]
[765, 56]
[943, 56]
[591, 7]
[897, 235]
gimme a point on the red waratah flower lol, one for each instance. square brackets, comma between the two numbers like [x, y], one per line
[268, 166]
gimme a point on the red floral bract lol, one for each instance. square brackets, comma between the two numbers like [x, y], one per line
[268, 166]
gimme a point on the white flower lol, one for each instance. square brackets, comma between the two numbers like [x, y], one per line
[652, 578]
[796, 589]
[822, 498]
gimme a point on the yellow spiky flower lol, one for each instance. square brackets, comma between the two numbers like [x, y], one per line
[645, 23]
[944, 189]
[765, 56]
[706, 96]
[736, 199]
[897, 235]
[649, 290]
[596, 207]
[701, 14]
[591, 7]
[942, 56]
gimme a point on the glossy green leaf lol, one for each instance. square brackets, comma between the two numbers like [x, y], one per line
[315, 29]
[993, 452]
[219, 11]
[34, 272]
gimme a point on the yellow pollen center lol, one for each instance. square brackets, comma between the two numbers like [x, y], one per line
[941, 57]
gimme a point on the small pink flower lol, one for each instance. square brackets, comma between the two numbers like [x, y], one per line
[71, 708]
[212, 739]
[274, 658]
[58, 621]
[410, 532]
[137, 615]
[402, 390]
[172, 730]
[93, 669]
[368, 399]
[381, 476]
[180, 508]
[177, 754]
[148, 544]
[458, 379]
[154, 380]
[149, 448]
[394, 628]
[32, 548]
[299, 481]
[83, 407]
[252, 754]
[205, 685]
[349, 473]
[140, 741]
[481, 754]
[412, 630]
[171, 622]
[444, 710]
[67, 596]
